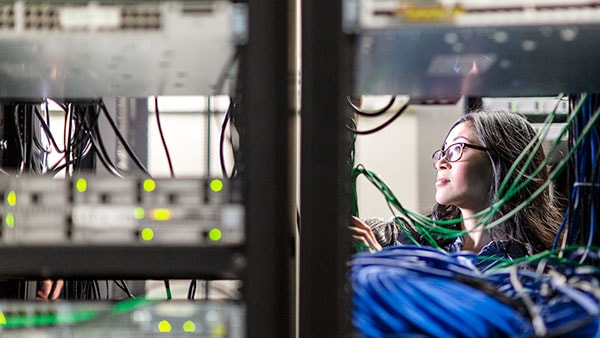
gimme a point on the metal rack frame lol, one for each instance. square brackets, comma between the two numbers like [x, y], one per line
[325, 175]
[266, 178]
[396, 61]
[263, 263]
[135, 262]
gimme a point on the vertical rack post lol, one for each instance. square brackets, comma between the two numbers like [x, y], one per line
[325, 174]
[265, 149]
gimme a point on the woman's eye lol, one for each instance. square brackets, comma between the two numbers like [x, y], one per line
[454, 151]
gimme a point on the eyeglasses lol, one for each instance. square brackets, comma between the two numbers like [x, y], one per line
[453, 152]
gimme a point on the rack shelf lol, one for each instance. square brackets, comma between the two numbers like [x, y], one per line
[122, 262]
[446, 61]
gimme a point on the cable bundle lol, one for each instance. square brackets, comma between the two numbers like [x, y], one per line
[416, 291]
[584, 138]
[410, 290]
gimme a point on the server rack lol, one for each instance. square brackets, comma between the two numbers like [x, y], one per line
[267, 180]
[262, 262]
[354, 47]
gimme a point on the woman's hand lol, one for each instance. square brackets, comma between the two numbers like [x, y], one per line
[362, 235]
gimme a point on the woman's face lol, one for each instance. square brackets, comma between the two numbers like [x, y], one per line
[465, 183]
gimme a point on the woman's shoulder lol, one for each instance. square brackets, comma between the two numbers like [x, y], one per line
[500, 251]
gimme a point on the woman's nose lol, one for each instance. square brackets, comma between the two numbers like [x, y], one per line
[442, 163]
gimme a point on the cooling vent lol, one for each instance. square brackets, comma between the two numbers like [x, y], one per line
[61, 18]
[41, 17]
[7, 17]
[140, 18]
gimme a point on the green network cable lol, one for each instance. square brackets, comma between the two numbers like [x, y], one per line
[59, 319]
[554, 173]
[544, 256]
[510, 185]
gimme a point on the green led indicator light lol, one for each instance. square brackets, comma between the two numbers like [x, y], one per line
[11, 199]
[216, 185]
[161, 214]
[10, 220]
[147, 234]
[81, 185]
[149, 185]
[214, 234]
[3, 318]
[164, 326]
[189, 326]
[218, 330]
[138, 213]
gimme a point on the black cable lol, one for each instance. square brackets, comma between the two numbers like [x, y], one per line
[226, 119]
[97, 289]
[103, 156]
[37, 138]
[48, 132]
[374, 113]
[56, 168]
[234, 146]
[89, 289]
[123, 286]
[92, 290]
[126, 287]
[122, 139]
[79, 134]
[27, 137]
[218, 88]
[43, 151]
[383, 125]
[101, 149]
[164, 143]
[168, 289]
[85, 152]
[162, 137]
[67, 137]
[192, 290]
[68, 141]
[98, 144]
[85, 290]
[19, 139]
[76, 139]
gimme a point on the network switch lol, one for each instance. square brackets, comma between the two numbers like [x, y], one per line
[109, 210]
[469, 13]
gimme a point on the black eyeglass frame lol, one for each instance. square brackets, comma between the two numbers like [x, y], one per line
[463, 145]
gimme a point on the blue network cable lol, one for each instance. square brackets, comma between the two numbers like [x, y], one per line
[581, 227]
[419, 291]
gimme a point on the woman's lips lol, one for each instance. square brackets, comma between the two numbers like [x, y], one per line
[441, 181]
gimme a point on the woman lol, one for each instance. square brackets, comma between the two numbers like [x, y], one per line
[471, 165]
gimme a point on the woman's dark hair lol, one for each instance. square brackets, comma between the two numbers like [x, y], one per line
[507, 135]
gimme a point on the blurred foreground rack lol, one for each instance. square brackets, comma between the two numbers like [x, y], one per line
[132, 50]
[128, 318]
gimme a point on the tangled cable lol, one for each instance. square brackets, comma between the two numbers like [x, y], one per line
[419, 291]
